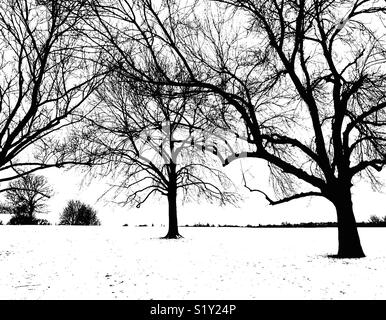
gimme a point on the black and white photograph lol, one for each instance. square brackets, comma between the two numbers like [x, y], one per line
[192, 150]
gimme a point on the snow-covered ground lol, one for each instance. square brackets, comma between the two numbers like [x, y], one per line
[61, 262]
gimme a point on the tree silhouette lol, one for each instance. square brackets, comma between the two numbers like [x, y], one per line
[78, 213]
[305, 78]
[150, 140]
[44, 79]
[26, 197]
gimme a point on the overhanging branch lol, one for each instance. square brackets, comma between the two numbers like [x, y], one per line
[283, 200]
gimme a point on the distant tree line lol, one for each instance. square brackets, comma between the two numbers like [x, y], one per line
[373, 221]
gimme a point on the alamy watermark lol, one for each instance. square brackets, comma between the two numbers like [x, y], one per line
[169, 143]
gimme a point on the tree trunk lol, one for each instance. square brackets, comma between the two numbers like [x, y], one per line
[172, 195]
[348, 237]
[173, 223]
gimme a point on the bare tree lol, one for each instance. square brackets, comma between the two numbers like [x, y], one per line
[45, 76]
[150, 139]
[27, 196]
[306, 78]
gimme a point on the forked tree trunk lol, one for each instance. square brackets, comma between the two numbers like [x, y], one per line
[348, 237]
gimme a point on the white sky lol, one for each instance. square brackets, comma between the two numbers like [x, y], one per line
[253, 210]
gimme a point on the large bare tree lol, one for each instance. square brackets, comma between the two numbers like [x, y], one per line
[45, 76]
[150, 139]
[306, 78]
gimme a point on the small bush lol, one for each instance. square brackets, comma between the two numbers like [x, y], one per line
[78, 213]
[22, 220]
[375, 219]
[43, 222]
[26, 220]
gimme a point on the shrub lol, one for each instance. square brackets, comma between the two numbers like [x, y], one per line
[78, 213]
[22, 220]
[42, 222]
[375, 219]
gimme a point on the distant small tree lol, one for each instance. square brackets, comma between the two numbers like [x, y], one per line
[79, 213]
[26, 197]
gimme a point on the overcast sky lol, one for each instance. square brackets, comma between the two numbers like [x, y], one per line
[253, 210]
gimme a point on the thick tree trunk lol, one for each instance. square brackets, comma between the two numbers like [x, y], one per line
[173, 223]
[348, 237]
[172, 201]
